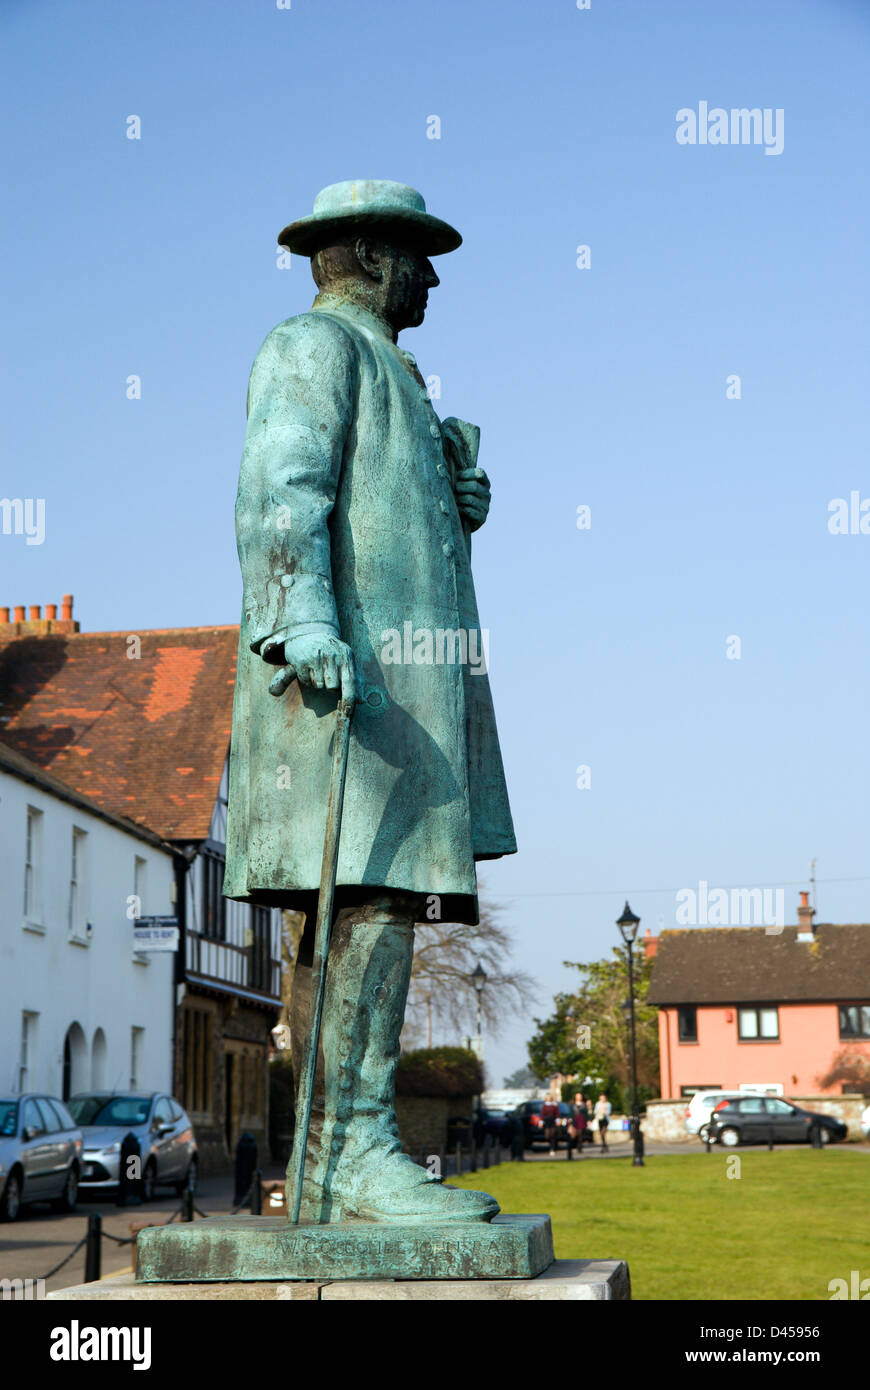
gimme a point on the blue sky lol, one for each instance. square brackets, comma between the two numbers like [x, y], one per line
[604, 387]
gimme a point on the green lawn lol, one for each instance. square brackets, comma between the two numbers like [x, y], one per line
[791, 1222]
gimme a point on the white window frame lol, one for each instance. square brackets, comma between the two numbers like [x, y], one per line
[140, 892]
[77, 918]
[137, 1048]
[29, 1024]
[33, 869]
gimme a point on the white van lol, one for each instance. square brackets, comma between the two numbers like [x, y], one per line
[700, 1107]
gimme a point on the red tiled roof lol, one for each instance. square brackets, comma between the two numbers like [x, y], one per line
[18, 766]
[145, 737]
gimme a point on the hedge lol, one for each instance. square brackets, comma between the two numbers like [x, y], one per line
[439, 1071]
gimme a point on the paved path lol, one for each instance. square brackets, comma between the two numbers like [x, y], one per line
[40, 1238]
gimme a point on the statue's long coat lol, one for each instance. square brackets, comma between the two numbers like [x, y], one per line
[347, 523]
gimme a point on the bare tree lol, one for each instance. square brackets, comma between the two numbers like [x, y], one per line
[442, 995]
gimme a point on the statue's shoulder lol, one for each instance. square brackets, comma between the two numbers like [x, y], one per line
[305, 334]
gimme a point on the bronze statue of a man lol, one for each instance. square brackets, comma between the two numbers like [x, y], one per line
[354, 507]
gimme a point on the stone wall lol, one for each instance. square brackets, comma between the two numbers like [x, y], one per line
[665, 1121]
[423, 1120]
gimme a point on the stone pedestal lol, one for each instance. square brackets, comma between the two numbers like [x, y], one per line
[257, 1248]
[586, 1281]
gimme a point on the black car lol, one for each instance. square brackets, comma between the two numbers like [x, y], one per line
[529, 1115]
[762, 1119]
[495, 1123]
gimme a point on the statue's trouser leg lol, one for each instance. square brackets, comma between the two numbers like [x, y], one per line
[300, 1015]
[360, 1170]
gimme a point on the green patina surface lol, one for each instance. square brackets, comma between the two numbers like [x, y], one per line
[232, 1248]
[353, 519]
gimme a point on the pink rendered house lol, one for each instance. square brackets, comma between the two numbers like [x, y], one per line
[747, 1006]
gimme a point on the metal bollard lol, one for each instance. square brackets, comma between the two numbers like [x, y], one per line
[770, 1140]
[486, 1155]
[93, 1248]
[473, 1164]
[257, 1193]
[458, 1159]
[246, 1162]
[187, 1205]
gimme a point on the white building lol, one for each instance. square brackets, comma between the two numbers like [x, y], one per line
[79, 1008]
[138, 724]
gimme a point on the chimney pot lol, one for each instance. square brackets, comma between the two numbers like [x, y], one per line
[806, 929]
[35, 612]
[51, 611]
[66, 606]
[19, 613]
[4, 615]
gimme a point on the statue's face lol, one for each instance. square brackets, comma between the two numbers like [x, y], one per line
[391, 281]
[408, 276]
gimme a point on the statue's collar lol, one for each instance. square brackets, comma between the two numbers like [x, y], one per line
[345, 308]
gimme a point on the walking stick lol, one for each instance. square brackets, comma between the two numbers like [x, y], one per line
[326, 898]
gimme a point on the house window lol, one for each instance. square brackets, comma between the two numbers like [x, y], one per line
[137, 1048]
[198, 1061]
[214, 904]
[757, 1025]
[33, 867]
[687, 1024]
[140, 884]
[854, 1020]
[28, 1051]
[261, 953]
[77, 921]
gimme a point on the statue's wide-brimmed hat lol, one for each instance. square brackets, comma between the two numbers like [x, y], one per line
[370, 205]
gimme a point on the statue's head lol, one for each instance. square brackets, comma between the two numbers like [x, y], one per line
[370, 241]
[391, 280]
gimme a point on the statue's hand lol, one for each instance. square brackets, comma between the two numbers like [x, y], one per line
[320, 661]
[472, 495]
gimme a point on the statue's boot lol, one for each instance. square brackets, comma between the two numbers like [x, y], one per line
[362, 1173]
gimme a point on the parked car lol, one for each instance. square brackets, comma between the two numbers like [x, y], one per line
[700, 1108]
[756, 1119]
[167, 1144]
[865, 1122]
[497, 1123]
[40, 1154]
[529, 1114]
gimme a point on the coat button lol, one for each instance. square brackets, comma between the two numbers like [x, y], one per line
[444, 507]
[441, 470]
[447, 548]
[286, 581]
[434, 431]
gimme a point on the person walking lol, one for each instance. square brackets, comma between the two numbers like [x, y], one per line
[603, 1110]
[579, 1122]
[549, 1115]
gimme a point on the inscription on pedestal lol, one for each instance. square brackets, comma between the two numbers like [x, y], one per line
[262, 1248]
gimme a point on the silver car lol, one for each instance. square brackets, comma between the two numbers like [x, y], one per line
[163, 1131]
[40, 1154]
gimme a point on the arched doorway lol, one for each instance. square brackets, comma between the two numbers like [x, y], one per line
[98, 1061]
[75, 1061]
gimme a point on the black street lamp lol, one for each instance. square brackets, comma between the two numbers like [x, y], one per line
[628, 925]
[479, 978]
